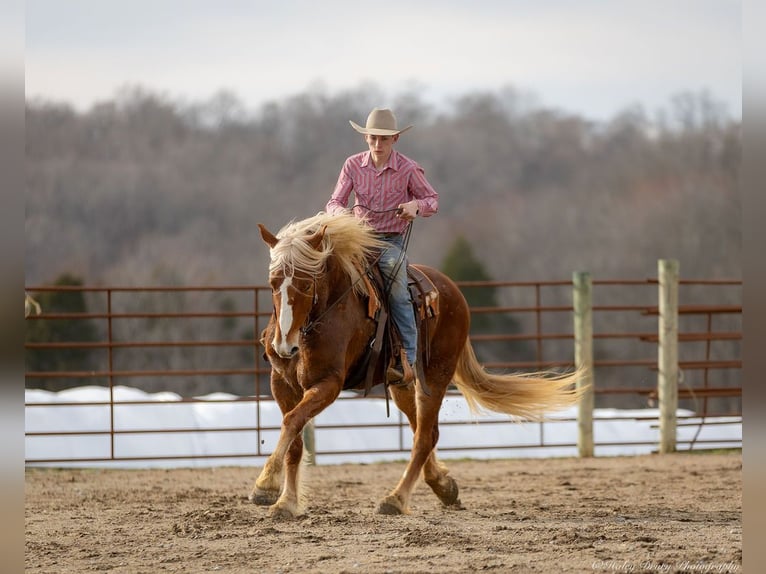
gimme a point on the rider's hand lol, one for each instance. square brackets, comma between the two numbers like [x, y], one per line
[408, 211]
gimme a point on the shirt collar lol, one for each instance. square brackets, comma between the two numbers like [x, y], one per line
[393, 161]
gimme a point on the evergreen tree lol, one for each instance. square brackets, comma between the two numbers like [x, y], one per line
[75, 330]
[461, 264]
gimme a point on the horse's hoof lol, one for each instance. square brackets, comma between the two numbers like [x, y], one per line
[448, 493]
[263, 497]
[281, 513]
[390, 505]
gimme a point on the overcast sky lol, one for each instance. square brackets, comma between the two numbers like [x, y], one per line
[590, 57]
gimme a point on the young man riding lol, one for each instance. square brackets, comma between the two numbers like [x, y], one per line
[390, 190]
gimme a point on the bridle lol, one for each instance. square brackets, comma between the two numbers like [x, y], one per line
[310, 325]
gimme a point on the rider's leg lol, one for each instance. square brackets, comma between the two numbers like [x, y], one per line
[399, 299]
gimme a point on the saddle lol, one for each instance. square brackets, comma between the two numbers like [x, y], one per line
[386, 342]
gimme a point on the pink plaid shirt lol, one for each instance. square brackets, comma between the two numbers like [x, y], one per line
[401, 180]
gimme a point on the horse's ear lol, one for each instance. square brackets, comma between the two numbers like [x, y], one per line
[316, 240]
[268, 236]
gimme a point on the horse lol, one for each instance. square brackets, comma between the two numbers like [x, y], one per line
[319, 332]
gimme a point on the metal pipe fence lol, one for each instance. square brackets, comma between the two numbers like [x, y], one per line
[196, 340]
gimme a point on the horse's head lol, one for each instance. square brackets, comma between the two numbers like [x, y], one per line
[293, 293]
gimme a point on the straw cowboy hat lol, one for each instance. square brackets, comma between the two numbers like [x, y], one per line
[380, 122]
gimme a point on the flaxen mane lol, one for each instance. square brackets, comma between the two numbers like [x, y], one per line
[347, 237]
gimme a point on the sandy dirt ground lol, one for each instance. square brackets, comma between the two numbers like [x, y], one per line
[660, 513]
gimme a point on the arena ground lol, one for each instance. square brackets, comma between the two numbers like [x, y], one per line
[657, 513]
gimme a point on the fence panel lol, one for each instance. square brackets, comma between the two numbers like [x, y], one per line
[199, 346]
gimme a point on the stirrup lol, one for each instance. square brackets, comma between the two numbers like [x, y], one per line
[401, 375]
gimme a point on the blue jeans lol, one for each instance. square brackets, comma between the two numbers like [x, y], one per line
[400, 304]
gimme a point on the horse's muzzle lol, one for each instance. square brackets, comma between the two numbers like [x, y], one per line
[284, 351]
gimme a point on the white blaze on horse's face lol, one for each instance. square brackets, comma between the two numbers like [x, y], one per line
[285, 318]
[293, 297]
[292, 304]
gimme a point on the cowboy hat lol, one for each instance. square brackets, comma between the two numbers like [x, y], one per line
[380, 122]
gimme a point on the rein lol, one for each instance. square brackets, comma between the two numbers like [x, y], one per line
[407, 232]
[310, 325]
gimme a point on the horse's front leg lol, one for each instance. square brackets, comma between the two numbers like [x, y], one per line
[268, 485]
[290, 445]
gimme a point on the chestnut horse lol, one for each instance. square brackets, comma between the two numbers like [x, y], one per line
[319, 332]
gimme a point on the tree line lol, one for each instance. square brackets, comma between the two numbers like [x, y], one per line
[143, 190]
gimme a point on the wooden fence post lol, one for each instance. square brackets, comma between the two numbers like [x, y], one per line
[583, 333]
[667, 359]
[309, 446]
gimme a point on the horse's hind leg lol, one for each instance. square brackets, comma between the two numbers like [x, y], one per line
[436, 475]
[422, 412]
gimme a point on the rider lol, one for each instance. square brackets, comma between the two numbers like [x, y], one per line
[390, 190]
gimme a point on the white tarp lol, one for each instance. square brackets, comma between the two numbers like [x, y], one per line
[616, 432]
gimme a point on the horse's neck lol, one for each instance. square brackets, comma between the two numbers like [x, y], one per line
[335, 284]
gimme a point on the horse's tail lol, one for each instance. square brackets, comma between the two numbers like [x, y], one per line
[527, 395]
